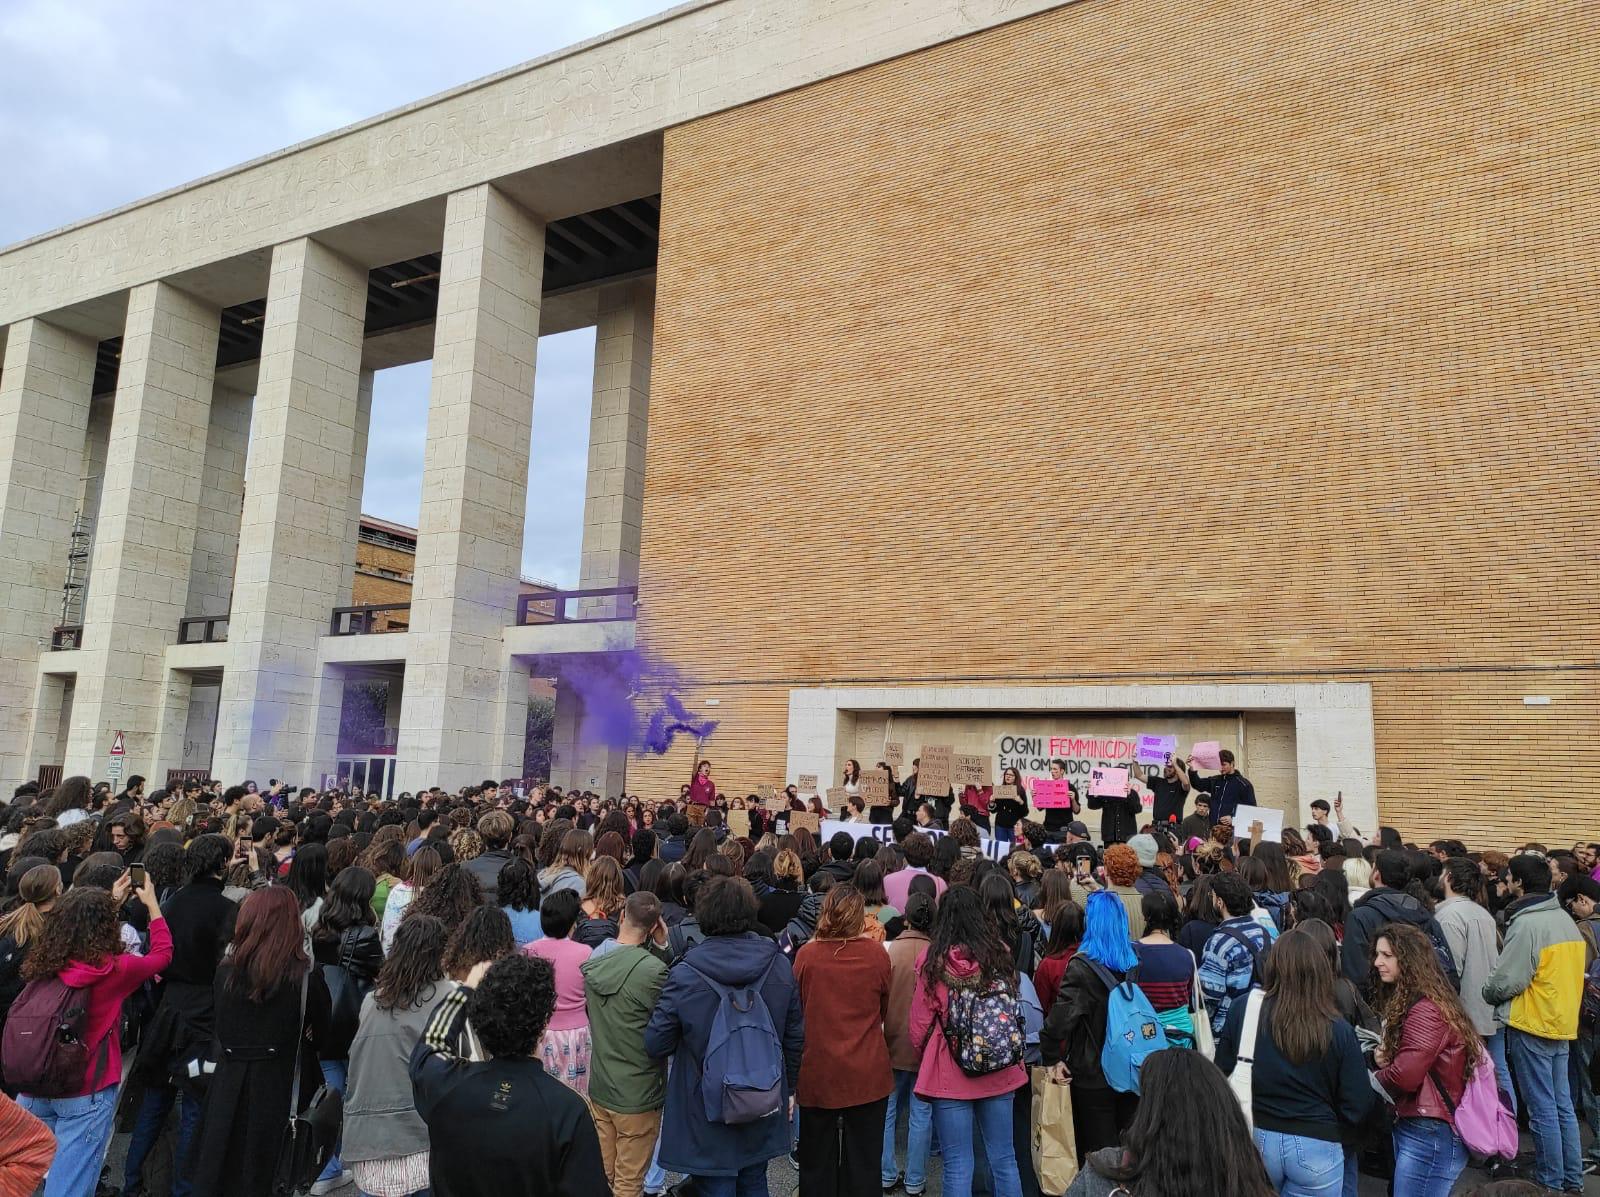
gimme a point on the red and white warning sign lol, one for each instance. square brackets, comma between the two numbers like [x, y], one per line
[118, 751]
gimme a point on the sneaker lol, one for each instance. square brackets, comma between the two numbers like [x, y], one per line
[1590, 1167]
[794, 1160]
[332, 1183]
[894, 1185]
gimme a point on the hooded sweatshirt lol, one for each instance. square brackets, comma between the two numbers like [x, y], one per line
[939, 1074]
[108, 983]
[1540, 972]
[620, 989]
[1377, 907]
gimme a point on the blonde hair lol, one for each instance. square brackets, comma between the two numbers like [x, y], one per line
[1358, 872]
[39, 886]
[786, 865]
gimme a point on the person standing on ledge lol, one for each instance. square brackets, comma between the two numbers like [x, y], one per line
[1229, 789]
[702, 793]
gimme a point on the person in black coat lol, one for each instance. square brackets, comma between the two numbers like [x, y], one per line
[270, 1013]
[1119, 817]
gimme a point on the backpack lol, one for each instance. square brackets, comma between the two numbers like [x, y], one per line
[1250, 946]
[982, 1026]
[741, 1075]
[43, 1050]
[1133, 1031]
[1441, 952]
[1589, 1008]
[1486, 1125]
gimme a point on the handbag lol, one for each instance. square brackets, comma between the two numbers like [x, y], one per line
[1204, 1041]
[310, 1137]
[1055, 1146]
[1239, 1080]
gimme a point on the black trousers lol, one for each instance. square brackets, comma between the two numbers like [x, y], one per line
[840, 1150]
[1099, 1116]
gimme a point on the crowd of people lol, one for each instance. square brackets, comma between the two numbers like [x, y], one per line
[543, 993]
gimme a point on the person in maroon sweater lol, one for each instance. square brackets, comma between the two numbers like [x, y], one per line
[82, 945]
[845, 1077]
[702, 793]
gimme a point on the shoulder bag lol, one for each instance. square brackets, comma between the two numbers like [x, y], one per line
[309, 1138]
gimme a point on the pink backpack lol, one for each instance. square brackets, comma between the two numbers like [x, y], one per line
[1485, 1123]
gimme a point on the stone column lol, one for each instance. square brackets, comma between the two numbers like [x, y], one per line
[44, 413]
[292, 546]
[358, 482]
[216, 536]
[149, 500]
[461, 718]
[171, 725]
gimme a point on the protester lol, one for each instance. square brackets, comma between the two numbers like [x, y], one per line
[1060, 946]
[919, 850]
[1230, 963]
[385, 1141]
[1540, 974]
[518, 892]
[1122, 870]
[501, 1126]
[80, 946]
[1167, 969]
[845, 1079]
[29, 1148]
[702, 793]
[566, 871]
[38, 891]
[1385, 902]
[271, 1017]
[601, 910]
[905, 952]
[565, 1047]
[724, 1159]
[1474, 941]
[782, 902]
[1581, 896]
[495, 829]
[1229, 789]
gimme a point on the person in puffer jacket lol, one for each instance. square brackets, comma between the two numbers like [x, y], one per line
[1537, 988]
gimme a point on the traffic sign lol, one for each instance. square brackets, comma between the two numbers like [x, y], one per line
[117, 748]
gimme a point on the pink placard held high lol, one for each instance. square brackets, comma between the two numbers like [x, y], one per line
[1205, 754]
[1108, 783]
[1050, 793]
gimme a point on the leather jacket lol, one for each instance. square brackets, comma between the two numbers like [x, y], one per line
[1426, 1044]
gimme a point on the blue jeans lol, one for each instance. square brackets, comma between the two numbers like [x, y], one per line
[954, 1121]
[333, 1072]
[1541, 1066]
[153, 1109]
[751, 1182]
[919, 1130]
[1352, 1173]
[1428, 1156]
[82, 1127]
[1300, 1166]
[1496, 1044]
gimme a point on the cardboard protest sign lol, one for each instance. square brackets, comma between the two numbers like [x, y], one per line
[1156, 750]
[837, 798]
[1108, 783]
[969, 771]
[1206, 754]
[807, 783]
[895, 755]
[766, 793]
[933, 775]
[1050, 793]
[739, 823]
[875, 787]
[1271, 823]
[804, 818]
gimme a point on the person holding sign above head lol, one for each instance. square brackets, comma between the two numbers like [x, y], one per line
[1170, 786]
[1229, 789]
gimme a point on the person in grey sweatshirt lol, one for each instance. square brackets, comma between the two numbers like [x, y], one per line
[1474, 942]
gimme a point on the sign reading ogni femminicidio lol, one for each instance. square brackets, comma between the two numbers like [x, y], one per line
[1031, 755]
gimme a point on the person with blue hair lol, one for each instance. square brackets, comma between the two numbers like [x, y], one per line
[1075, 1029]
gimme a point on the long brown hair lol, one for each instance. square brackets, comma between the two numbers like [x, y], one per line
[39, 886]
[414, 967]
[268, 944]
[1420, 977]
[85, 926]
[602, 886]
[843, 913]
[1299, 982]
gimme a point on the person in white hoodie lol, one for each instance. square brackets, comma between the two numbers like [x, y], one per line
[1474, 943]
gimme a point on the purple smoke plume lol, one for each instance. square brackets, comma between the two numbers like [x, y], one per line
[615, 688]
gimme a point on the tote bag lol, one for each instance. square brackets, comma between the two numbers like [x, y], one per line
[1055, 1146]
[1239, 1080]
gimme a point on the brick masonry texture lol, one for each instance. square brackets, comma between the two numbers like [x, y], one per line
[1152, 341]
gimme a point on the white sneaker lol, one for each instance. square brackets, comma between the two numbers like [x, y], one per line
[333, 1182]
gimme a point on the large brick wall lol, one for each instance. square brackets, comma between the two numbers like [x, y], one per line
[1156, 340]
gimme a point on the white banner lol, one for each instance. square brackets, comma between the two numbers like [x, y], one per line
[884, 834]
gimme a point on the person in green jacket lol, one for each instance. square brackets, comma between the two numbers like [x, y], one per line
[626, 1087]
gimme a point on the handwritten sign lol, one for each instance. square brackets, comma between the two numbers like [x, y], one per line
[1207, 754]
[806, 819]
[875, 787]
[969, 771]
[1051, 793]
[766, 793]
[807, 783]
[1156, 750]
[933, 775]
[1271, 823]
[837, 798]
[1108, 783]
[895, 755]
[739, 824]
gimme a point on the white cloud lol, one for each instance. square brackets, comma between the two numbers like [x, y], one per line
[103, 102]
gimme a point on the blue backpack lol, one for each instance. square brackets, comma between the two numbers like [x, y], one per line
[1133, 1031]
[741, 1075]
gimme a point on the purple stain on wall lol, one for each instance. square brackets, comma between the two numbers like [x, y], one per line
[630, 700]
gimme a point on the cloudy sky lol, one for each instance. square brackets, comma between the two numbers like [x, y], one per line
[102, 102]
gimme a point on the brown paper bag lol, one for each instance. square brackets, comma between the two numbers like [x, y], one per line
[1055, 1147]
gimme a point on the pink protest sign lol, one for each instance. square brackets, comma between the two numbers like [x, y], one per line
[1106, 782]
[1050, 793]
[1205, 755]
[1156, 750]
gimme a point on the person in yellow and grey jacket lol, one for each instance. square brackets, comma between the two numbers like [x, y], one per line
[1540, 980]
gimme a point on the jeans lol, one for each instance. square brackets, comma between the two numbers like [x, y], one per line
[1496, 1044]
[1352, 1173]
[751, 1182]
[919, 1130]
[82, 1127]
[655, 1180]
[1300, 1166]
[1002, 835]
[954, 1121]
[152, 1117]
[1428, 1156]
[1582, 1056]
[1541, 1066]
[333, 1072]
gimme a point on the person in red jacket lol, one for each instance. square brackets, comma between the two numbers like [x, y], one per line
[82, 945]
[702, 793]
[1429, 1049]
